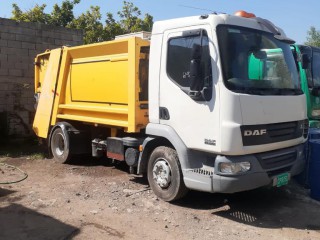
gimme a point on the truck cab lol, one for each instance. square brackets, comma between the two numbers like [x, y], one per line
[232, 130]
[308, 59]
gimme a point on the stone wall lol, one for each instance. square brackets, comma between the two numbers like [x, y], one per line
[20, 42]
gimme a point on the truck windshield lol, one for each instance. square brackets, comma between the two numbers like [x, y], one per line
[254, 62]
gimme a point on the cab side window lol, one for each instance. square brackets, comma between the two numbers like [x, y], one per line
[316, 68]
[179, 58]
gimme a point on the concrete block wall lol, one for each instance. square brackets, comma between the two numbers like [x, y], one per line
[20, 42]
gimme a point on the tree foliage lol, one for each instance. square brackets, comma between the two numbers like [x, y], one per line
[130, 19]
[63, 15]
[313, 37]
[112, 28]
[90, 23]
[36, 14]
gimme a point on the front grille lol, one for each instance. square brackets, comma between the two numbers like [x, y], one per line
[271, 133]
[278, 171]
[280, 130]
[274, 160]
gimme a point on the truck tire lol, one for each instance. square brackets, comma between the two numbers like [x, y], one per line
[165, 175]
[60, 145]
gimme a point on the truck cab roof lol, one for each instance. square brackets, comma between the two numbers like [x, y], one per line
[214, 19]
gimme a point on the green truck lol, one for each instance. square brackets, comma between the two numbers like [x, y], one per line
[265, 65]
[308, 65]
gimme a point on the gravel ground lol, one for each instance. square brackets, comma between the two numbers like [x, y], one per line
[97, 200]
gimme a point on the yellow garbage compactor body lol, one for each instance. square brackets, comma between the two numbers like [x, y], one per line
[101, 84]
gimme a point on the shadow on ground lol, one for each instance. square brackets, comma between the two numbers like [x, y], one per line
[18, 222]
[265, 208]
[23, 148]
[89, 161]
[5, 192]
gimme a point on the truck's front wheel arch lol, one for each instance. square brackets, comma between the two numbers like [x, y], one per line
[149, 146]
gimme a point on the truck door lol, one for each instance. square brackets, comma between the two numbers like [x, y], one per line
[196, 120]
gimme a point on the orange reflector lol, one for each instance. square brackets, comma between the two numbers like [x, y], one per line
[140, 148]
[245, 14]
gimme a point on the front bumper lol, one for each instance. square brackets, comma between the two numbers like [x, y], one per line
[264, 168]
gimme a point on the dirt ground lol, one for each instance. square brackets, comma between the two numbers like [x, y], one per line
[94, 199]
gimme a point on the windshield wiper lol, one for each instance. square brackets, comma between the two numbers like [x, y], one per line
[269, 91]
[289, 91]
[255, 91]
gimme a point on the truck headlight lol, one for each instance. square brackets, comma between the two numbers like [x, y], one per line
[234, 168]
[315, 113]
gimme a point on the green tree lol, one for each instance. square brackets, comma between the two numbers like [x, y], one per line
[147, 23]
[35, 14]
[313, 37]
[129, 21]
[63, 15]
[60, 16]
[112, 28]
[90, 23]
[129, 17]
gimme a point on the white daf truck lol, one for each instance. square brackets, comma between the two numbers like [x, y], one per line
[210, 123]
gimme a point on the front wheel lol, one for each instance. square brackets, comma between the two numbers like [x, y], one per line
[60, 145]
[165, 175]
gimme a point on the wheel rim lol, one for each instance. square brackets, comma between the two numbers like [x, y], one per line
[162, 173]
[59, 144]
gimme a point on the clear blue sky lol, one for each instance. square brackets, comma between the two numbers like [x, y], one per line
[294, 16]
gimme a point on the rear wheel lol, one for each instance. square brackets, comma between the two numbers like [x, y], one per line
[60, 145]
[165, 175]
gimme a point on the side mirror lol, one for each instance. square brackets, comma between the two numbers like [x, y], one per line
[305, 61]
[196, 81]
[315, 91]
